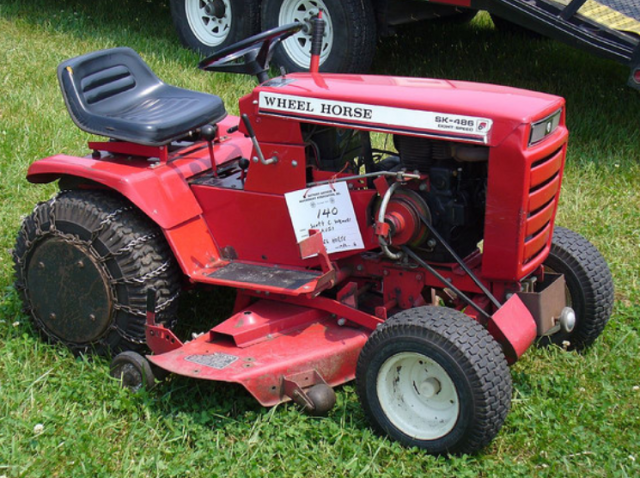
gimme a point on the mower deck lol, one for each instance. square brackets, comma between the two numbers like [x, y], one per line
[268, 344]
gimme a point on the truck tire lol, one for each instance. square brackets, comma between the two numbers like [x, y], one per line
[349, 40]
[434, 378]
[589, 287]
[83, 262]
[209, 25]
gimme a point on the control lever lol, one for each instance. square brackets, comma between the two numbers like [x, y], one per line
[317, 34]
[208, 133]
[244, 165]
[252, 135]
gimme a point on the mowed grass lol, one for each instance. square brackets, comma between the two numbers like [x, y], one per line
[572, 415]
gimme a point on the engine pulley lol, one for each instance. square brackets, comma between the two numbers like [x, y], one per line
[402, 215]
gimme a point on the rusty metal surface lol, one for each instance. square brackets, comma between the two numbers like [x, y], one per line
[547, 302]
[264, 275]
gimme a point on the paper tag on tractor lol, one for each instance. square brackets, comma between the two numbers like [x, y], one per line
[329, 209]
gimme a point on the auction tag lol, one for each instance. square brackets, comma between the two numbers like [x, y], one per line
[329, 209]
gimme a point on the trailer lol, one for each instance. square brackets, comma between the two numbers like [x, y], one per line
[607, 28]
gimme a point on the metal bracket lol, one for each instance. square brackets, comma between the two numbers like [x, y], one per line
[159, 338]
[292, 387]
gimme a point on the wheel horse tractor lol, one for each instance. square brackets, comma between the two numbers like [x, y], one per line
[421, 272]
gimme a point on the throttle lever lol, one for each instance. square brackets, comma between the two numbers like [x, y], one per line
[252, 135]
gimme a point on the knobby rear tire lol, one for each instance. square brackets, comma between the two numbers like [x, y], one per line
[83, 262]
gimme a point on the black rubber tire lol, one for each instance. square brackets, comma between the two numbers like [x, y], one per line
[472, 359]
[354, 41]
[245, 21]
[123, 252]
[589, 287]
[133, 371]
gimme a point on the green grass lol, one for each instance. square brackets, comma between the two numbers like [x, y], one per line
[572, 415]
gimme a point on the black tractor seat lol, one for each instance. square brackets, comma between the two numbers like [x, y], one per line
[114, 93]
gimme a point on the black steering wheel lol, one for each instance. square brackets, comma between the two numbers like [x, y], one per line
[252, 55]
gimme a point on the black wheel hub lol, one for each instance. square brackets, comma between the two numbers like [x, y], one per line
[69, 291]
[215, 8]
[130, 375]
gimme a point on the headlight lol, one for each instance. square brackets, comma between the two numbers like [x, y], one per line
[545, 127]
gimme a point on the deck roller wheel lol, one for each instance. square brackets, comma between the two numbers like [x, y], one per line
[133, 370]
[323, 399]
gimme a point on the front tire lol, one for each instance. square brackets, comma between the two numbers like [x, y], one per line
[207, 26]
[83, 262]
[589, 287]
[349, 40]
[434, 378]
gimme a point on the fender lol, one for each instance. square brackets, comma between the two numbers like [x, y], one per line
[160, 190]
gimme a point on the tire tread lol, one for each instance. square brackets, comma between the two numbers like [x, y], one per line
[472, 346]
[148, 253]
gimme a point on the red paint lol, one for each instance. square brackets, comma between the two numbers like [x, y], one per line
[514, 327]
[214, 216]
[317, 345]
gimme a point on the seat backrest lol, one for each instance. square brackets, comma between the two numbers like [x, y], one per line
[103, 83]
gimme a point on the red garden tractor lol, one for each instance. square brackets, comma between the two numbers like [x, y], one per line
[419, 270]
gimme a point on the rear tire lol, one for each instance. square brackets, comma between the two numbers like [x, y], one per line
[434, 378]
[350, 34]
[207, 31]
[83, 262]
[589, 287]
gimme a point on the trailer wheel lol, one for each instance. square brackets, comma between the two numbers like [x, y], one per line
[589, 287]
[83, 262]
[209, 25]
[133, 370]
[434, 378]
[349, 40]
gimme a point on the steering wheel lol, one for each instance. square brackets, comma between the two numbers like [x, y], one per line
[252, 55]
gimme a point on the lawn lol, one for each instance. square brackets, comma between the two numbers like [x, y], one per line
[572, 415]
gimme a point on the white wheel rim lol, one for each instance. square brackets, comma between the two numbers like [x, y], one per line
[208, 29]
[298, 46]
[418, 396]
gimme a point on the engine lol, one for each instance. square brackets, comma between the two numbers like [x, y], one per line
[454, 193]
[452, 198]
